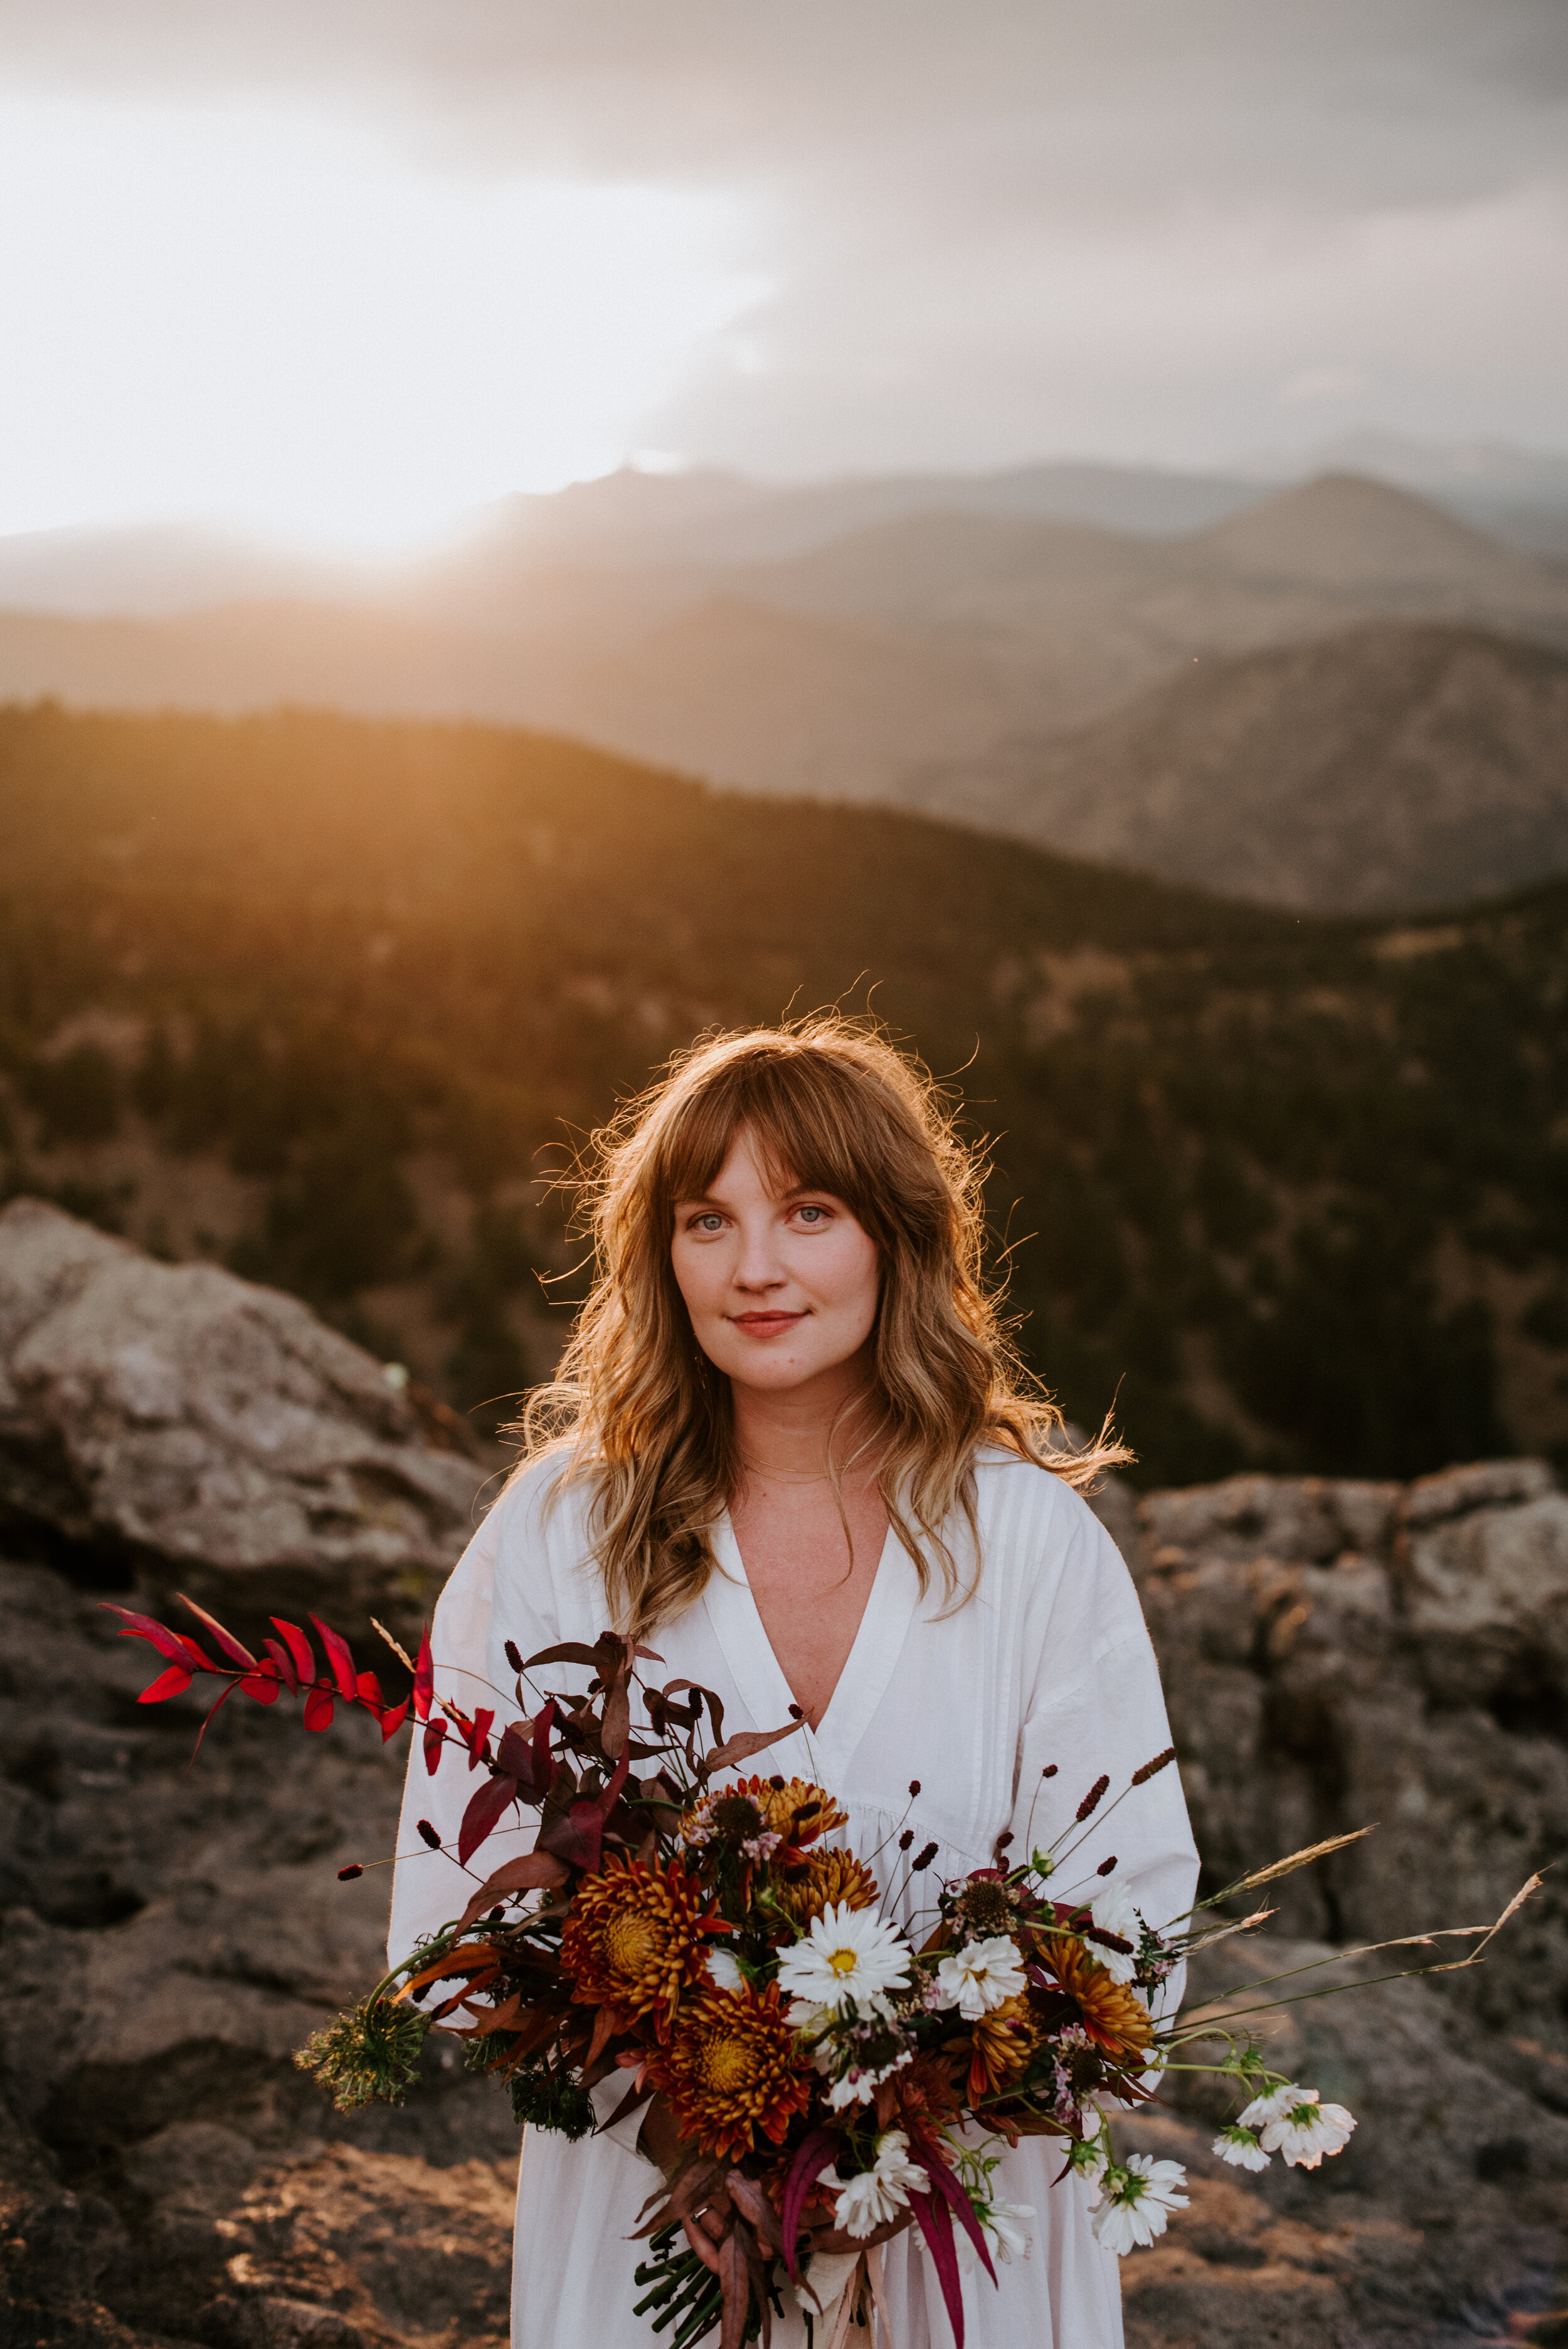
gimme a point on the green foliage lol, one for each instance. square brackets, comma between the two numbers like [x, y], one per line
[77, 1093]
[547, 2098]
[370, 2054]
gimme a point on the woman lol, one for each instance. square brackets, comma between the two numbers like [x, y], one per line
[800, 1459]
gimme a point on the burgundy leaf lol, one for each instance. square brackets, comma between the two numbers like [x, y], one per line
[391, 1722]
[815, 2153]
[367, 1693]
[496, 1796]
[936, 2226]
[232, 1648]
[543, 1767]
[570, 1651]
[172, 1683]
[751, 1741]
[299, 1648]
[435, 1738]
[477, 1735]
[578, 1835]
[338, 1657]
[424, 1677]
[284, 1663]
[514, 1754]
[617, 1725]
[947, 2186]
[533, 1870]
[264, 1683]
[318, 1708]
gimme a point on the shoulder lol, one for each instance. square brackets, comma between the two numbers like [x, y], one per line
[544, 1507]
[1035, 1531]
[1019, 1500]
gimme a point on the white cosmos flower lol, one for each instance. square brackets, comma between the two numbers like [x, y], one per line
[1139, 2198]
[849, 1953]
[724, 1971]
[981, 1976]
[1240, 2147]
[878, 2194]
[1113, 1912]
[1268, 2108]
[1292, 2122]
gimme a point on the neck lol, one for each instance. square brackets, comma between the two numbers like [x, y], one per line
[788, 1435]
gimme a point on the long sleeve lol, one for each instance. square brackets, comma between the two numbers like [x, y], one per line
[1094, 1707]
[500, 1588]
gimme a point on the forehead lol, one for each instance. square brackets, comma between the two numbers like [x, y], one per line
[746, 1167]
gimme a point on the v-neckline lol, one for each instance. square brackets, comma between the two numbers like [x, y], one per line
[738, 1624]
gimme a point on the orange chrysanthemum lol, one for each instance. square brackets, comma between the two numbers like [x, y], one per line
[1113, 2014]
[730, 2070]
[632, 1939]
[1004, 2043]
[827, 1876]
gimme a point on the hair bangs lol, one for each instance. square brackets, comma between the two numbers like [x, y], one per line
[811, 1130]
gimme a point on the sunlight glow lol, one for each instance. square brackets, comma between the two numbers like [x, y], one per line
[277, 323]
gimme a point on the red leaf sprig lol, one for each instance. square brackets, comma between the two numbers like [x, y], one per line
[290, 1662]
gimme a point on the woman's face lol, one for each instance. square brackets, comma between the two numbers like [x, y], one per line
[781, 1286]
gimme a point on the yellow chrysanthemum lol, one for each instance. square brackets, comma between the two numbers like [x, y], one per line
[827, 1876]
[1112, 2014]
[751, 1812]
[729, 2070]
[632, 1939]
[1004, 2043]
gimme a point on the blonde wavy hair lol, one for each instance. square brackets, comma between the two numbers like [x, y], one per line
[830, 1104]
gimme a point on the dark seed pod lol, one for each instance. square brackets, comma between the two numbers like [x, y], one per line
[1091, 1801]
[428, 1834]
[345, 1875]
[512, 1656]
[1106, 1866]
[922, 1859]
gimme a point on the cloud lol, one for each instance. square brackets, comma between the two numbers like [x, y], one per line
[963, 235]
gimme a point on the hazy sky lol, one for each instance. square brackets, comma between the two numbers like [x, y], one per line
[341, 267]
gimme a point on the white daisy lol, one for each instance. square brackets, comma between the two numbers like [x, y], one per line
[1240, 2145]
[1303, 2131]
[878, 2194]
[1113, 1912]
[724, 1971]
[849, 1953]
[981, 1976]
[1139, 2198]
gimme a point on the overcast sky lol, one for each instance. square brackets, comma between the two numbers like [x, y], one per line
[340, 267]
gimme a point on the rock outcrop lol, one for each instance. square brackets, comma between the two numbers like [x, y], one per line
[1334, 1653]
[192, 1430]
[1342, 1655]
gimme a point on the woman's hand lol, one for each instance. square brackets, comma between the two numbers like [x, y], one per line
[660, 2138]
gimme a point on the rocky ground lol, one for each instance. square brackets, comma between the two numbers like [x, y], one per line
[1335, 1654]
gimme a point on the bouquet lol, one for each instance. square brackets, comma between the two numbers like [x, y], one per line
[692, 1942]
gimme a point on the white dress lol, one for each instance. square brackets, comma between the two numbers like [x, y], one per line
[1048, 1663]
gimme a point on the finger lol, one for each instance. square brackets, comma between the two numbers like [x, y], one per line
[701, 2245]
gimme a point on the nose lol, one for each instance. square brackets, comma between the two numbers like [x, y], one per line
[758, 1268]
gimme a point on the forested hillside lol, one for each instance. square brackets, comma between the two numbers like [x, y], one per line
[327, 998]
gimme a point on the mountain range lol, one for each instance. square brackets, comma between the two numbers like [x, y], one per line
[1134, 664]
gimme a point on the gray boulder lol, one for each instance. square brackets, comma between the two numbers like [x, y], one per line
[208, 1435]
[1342, 1655]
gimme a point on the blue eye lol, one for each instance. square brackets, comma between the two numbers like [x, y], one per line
[708, 1224]
[804, 1212]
